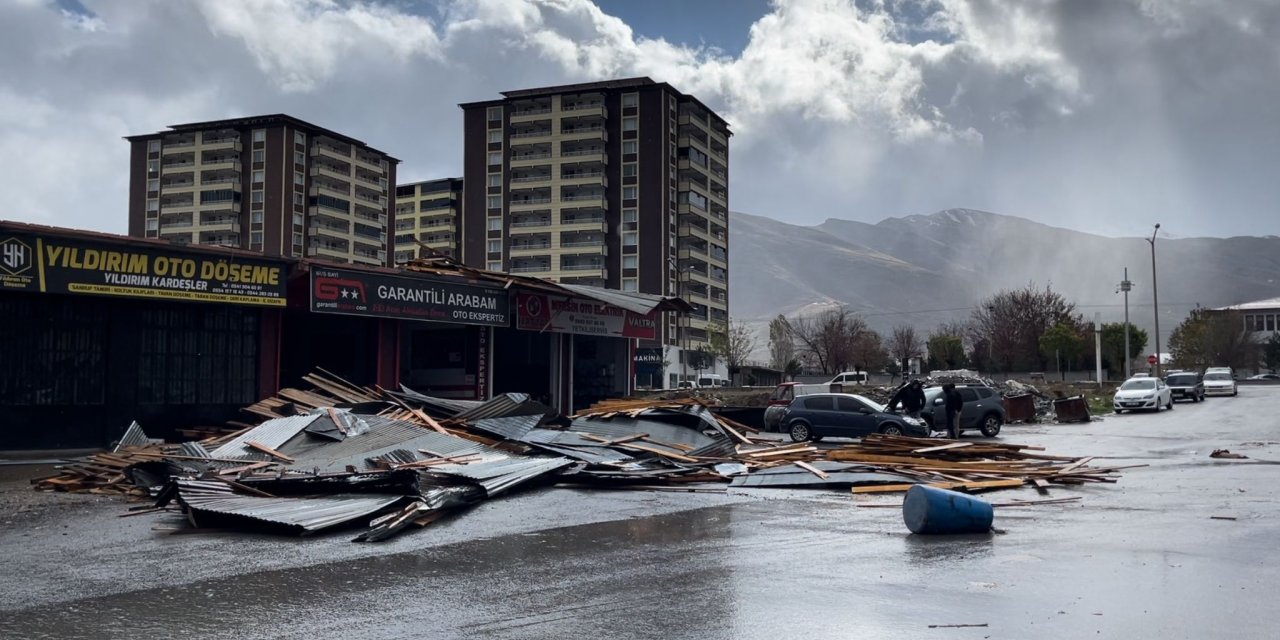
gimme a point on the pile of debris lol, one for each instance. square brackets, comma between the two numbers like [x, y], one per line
[339, 455]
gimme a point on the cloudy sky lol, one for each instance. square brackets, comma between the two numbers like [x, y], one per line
[1099, 115]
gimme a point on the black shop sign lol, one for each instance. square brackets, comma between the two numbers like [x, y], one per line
[360, 293]
[53, 264]
[648, 360]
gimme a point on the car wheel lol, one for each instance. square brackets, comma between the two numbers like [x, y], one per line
[890, 430]
[991, 426]
[1170, 405]
[1119, 411]
[800, 432]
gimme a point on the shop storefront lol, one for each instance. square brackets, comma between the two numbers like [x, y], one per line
[101, 330]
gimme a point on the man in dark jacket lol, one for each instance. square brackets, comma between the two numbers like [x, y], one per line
[954, 403]
[911, 397]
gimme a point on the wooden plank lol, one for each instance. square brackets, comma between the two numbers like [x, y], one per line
[1073, 466]
[987, 484]
[812, 469]
[267, 450]
[945, 447]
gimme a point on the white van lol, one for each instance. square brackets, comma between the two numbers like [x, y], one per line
[849, 378]
[712, 380]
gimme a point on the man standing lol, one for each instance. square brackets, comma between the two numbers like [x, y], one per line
[911, 397]
[954, 403]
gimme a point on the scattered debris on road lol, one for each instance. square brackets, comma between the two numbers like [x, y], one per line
[342, 456]
[1225, 453]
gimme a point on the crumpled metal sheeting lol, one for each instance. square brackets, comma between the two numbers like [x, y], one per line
[300, 515]
[499, 475]
[384, 436]
[507, 404]
[193, 450]
[509, 427]
[133, 437]
[394, 457]
[437, 499]
[659, 432]
[272, 433]
[448, 406]
[722, 448]
[837, 475]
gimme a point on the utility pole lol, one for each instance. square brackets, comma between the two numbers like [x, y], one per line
[1155, 295]
[1126, 286]
[1097, 344]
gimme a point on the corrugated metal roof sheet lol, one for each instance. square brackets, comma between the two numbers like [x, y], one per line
[794, 476]
[659, 432]
[300, 514]
[383, 436]
[509, 427]
[272, 433]
[590, 455]
[500, 475]
[641, 303]
[450, 406]
[133, 437]
[193, 450]
[507, 404]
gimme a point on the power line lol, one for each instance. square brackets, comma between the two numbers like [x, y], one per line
[1079, 306]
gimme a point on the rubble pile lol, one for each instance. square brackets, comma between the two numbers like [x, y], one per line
[342, 456]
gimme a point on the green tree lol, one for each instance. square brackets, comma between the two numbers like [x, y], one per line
[1062, 343]
[1212, 338]
[1113, 344]
[1271, 352]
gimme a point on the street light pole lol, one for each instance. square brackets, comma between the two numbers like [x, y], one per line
[1155, 295]
[1126, 286]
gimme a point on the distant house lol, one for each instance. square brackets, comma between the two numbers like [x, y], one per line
[1261, 317]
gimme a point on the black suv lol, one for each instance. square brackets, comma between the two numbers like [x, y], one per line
[983, 409]
[1186, 385]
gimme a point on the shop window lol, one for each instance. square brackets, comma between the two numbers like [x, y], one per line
[54, 351]
[205, 355]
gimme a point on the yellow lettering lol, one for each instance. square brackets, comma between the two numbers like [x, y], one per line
[188, 268]
[113, 261]
[54, 253]
[137, 263]
[206, 270]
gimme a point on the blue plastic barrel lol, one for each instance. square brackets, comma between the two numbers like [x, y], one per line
[929, 510]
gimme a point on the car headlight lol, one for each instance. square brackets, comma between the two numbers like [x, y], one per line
[915, 422]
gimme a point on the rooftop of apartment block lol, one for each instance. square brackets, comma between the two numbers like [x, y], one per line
[256, 121]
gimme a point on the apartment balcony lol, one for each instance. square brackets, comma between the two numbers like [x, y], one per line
[437, 241]
[530, 135]
[177, 237]
[542, 267]
[589, 269]
[369, 162]
[231, 206]
[439, 205]
[177, 145]
[696, 231]
[693, 293]
[720, 258]
[530, 159]
[693, 252]
[175, 223]
[448, 224]
[219, 144]
[693, 142]
[330, 212]
[171, 168]
[586, 200]
[370, 200]
[375, 183]
[328, 250]
[329, 229]
[528, 203]
[530, 249]
[586, 109]
[586, 247]
[330, 171]
[404, 212]
[586, 225]
[220, 162]
[228, 224]
[585, 178]
[213, 184]
[586, 155]
[219, 239]
[531, 114]
[177, 187]
[331, 150]
[540, 225]
[368, 214]
[531, 179]
[585, 133]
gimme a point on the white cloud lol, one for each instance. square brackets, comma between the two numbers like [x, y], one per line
[1045, 108]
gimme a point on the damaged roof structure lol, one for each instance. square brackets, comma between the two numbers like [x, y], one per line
[340, 456]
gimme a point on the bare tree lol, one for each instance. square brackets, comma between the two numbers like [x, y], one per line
[904, 344]
[836, 339]
[733, 342]
[1010, 324]
[1208, 339]
[782, 345]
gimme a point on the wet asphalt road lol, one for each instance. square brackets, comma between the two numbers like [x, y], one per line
[1138, 559]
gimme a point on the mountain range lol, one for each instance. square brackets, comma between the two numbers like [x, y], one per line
[922, 270]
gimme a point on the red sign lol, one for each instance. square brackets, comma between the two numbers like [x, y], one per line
[1151, 359]
[536, 312]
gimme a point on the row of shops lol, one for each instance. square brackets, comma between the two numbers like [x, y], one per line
[101, 330]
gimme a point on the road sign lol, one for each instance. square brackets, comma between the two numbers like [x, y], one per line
[1151, 359]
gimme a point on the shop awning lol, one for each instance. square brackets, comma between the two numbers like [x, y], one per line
[641, 303]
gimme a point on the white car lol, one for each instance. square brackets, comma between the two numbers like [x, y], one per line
[1143, 393]
[1218, 382]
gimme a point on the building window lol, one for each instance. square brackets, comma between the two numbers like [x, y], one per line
[297, 239]
[298, 178]
[630, 124]
[153, 205]
[495, 179]
[153, 166]
[299, 199]
[629, 239]
[299, 137]
[495, 246]
[297, 219]
[255, 237]
[153, 185]
[628, 146]
[153, 145]
[629, 169]
[259, 176]
[630, 99]
[495, 224]
[255, 217]
[629, 215]
[495, 113]
[255, 196]
[299, 157]
[629, 284]
[495, 202]
[495, 265]
[495, 135]
[259, 135]
[628, 193]
[153, 224]
[629, 262]
[495, 157]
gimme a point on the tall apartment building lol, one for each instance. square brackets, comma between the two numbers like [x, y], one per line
[623, 184]
[428, 213]
[270, 183]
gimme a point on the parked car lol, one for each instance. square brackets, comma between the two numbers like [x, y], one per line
[845, 415]
[1218, 381]
[1143, 393]
[1265, 376]
[1186, 385]
[983, 409]
[782, 396]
